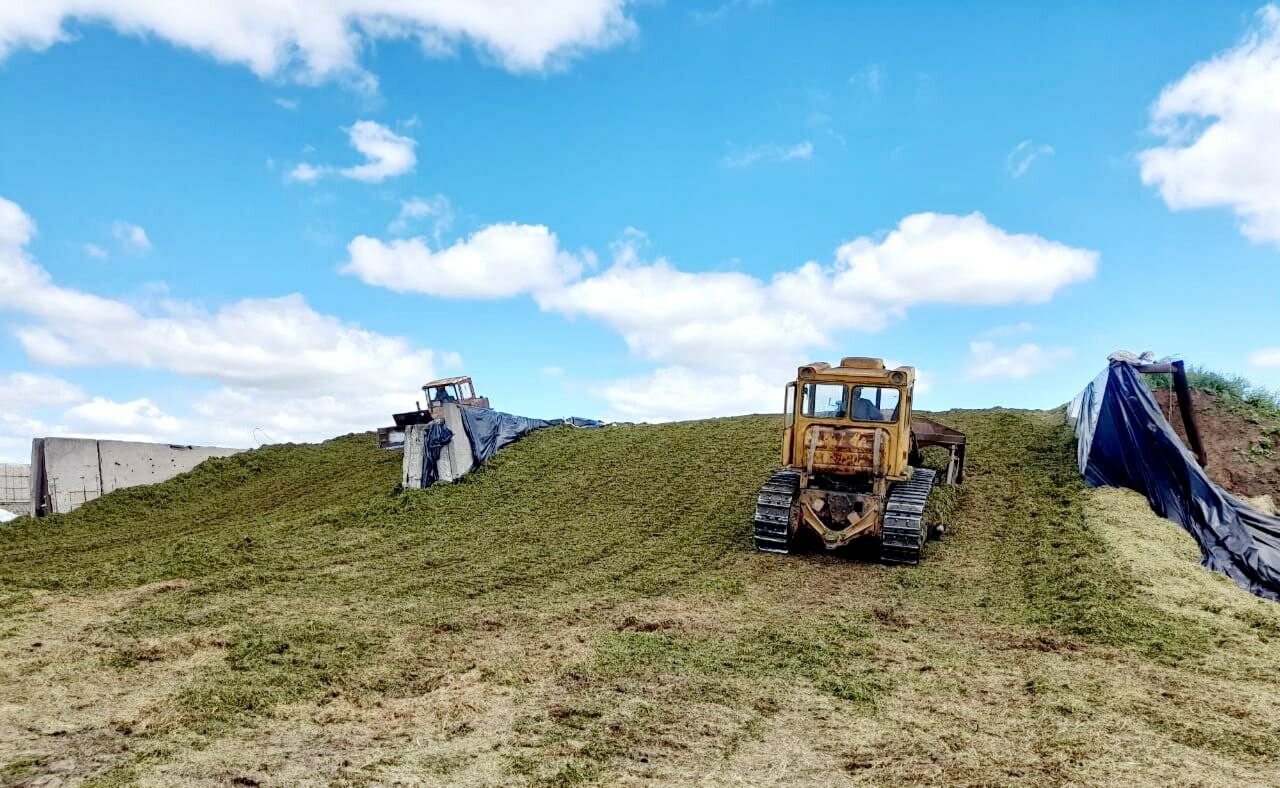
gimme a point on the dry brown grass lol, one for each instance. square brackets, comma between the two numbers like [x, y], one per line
[63, 710]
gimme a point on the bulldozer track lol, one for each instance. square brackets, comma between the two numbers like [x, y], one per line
[903, 534]
[773, 512]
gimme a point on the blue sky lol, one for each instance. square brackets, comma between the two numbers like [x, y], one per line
[633, 211]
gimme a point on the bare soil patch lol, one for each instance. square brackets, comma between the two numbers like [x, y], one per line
[1242, 443]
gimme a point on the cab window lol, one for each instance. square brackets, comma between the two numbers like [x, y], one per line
[875, 403]
[825, 401]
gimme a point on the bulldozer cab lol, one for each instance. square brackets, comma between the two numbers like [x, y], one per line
[440, 393]
[851, 419]
[459, 390]
[851, 463]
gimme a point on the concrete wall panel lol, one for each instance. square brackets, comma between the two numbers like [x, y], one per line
[456, 459]
[15, 488]
[415, 445]
[126, 464]
[77, 470]
[71, 468]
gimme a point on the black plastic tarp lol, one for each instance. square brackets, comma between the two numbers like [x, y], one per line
[577, 421]
[1125, 441]
[437, 437]
[490, 429]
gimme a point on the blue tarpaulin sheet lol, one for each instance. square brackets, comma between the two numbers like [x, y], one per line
[490, 429]
[437, 437]
[1125, 441]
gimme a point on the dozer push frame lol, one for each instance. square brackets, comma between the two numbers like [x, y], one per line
[851, 462]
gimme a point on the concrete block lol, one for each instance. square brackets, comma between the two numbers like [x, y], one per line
[415, 441]
[71, 473]
[456, 460]
[15, 488]
[126, 464]
[68, 472]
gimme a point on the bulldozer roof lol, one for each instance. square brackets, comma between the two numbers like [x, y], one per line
[447, 381]
[859, 368]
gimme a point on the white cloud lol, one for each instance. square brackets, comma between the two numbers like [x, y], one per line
[386, 154]
[287, 103]
[1219, 124]
[730, 321]
[225, 416]
[987, 360]
[232, 416]
[138, 417]
[16, 228]
[304, 173]
[23, 395]
[268, 355]
[323, 39]
[132, 237]
[498, 261]
[263, 343]
[20, 391]
[943, 258]
[707, 318]
[733, 324]
[1023, 156]
[772, 152]
[673, 393]
[31, 405]
[415, 209]
[1266, 357]
[38, 405]
[96, 252]
[16, 432]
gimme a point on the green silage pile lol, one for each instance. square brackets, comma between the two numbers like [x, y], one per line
[587, 607]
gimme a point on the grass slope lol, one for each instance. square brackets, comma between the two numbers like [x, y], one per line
[588, 608]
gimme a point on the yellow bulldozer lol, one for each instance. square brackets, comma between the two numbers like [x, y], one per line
[851, 456]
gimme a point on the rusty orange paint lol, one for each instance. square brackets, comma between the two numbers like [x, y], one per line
[838, 449]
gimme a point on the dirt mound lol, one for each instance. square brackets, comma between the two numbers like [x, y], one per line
[1242, 442]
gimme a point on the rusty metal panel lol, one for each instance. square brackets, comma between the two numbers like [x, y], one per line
[846, 449]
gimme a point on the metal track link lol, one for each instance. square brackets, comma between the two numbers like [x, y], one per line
[903, 533]
[773, 512]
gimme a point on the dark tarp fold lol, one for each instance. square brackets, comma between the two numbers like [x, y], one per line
[437, 437]
[1125, 441]
[490, 429]
[577, 421]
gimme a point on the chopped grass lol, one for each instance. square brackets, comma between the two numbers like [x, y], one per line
[831, 657]
[588, 608]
